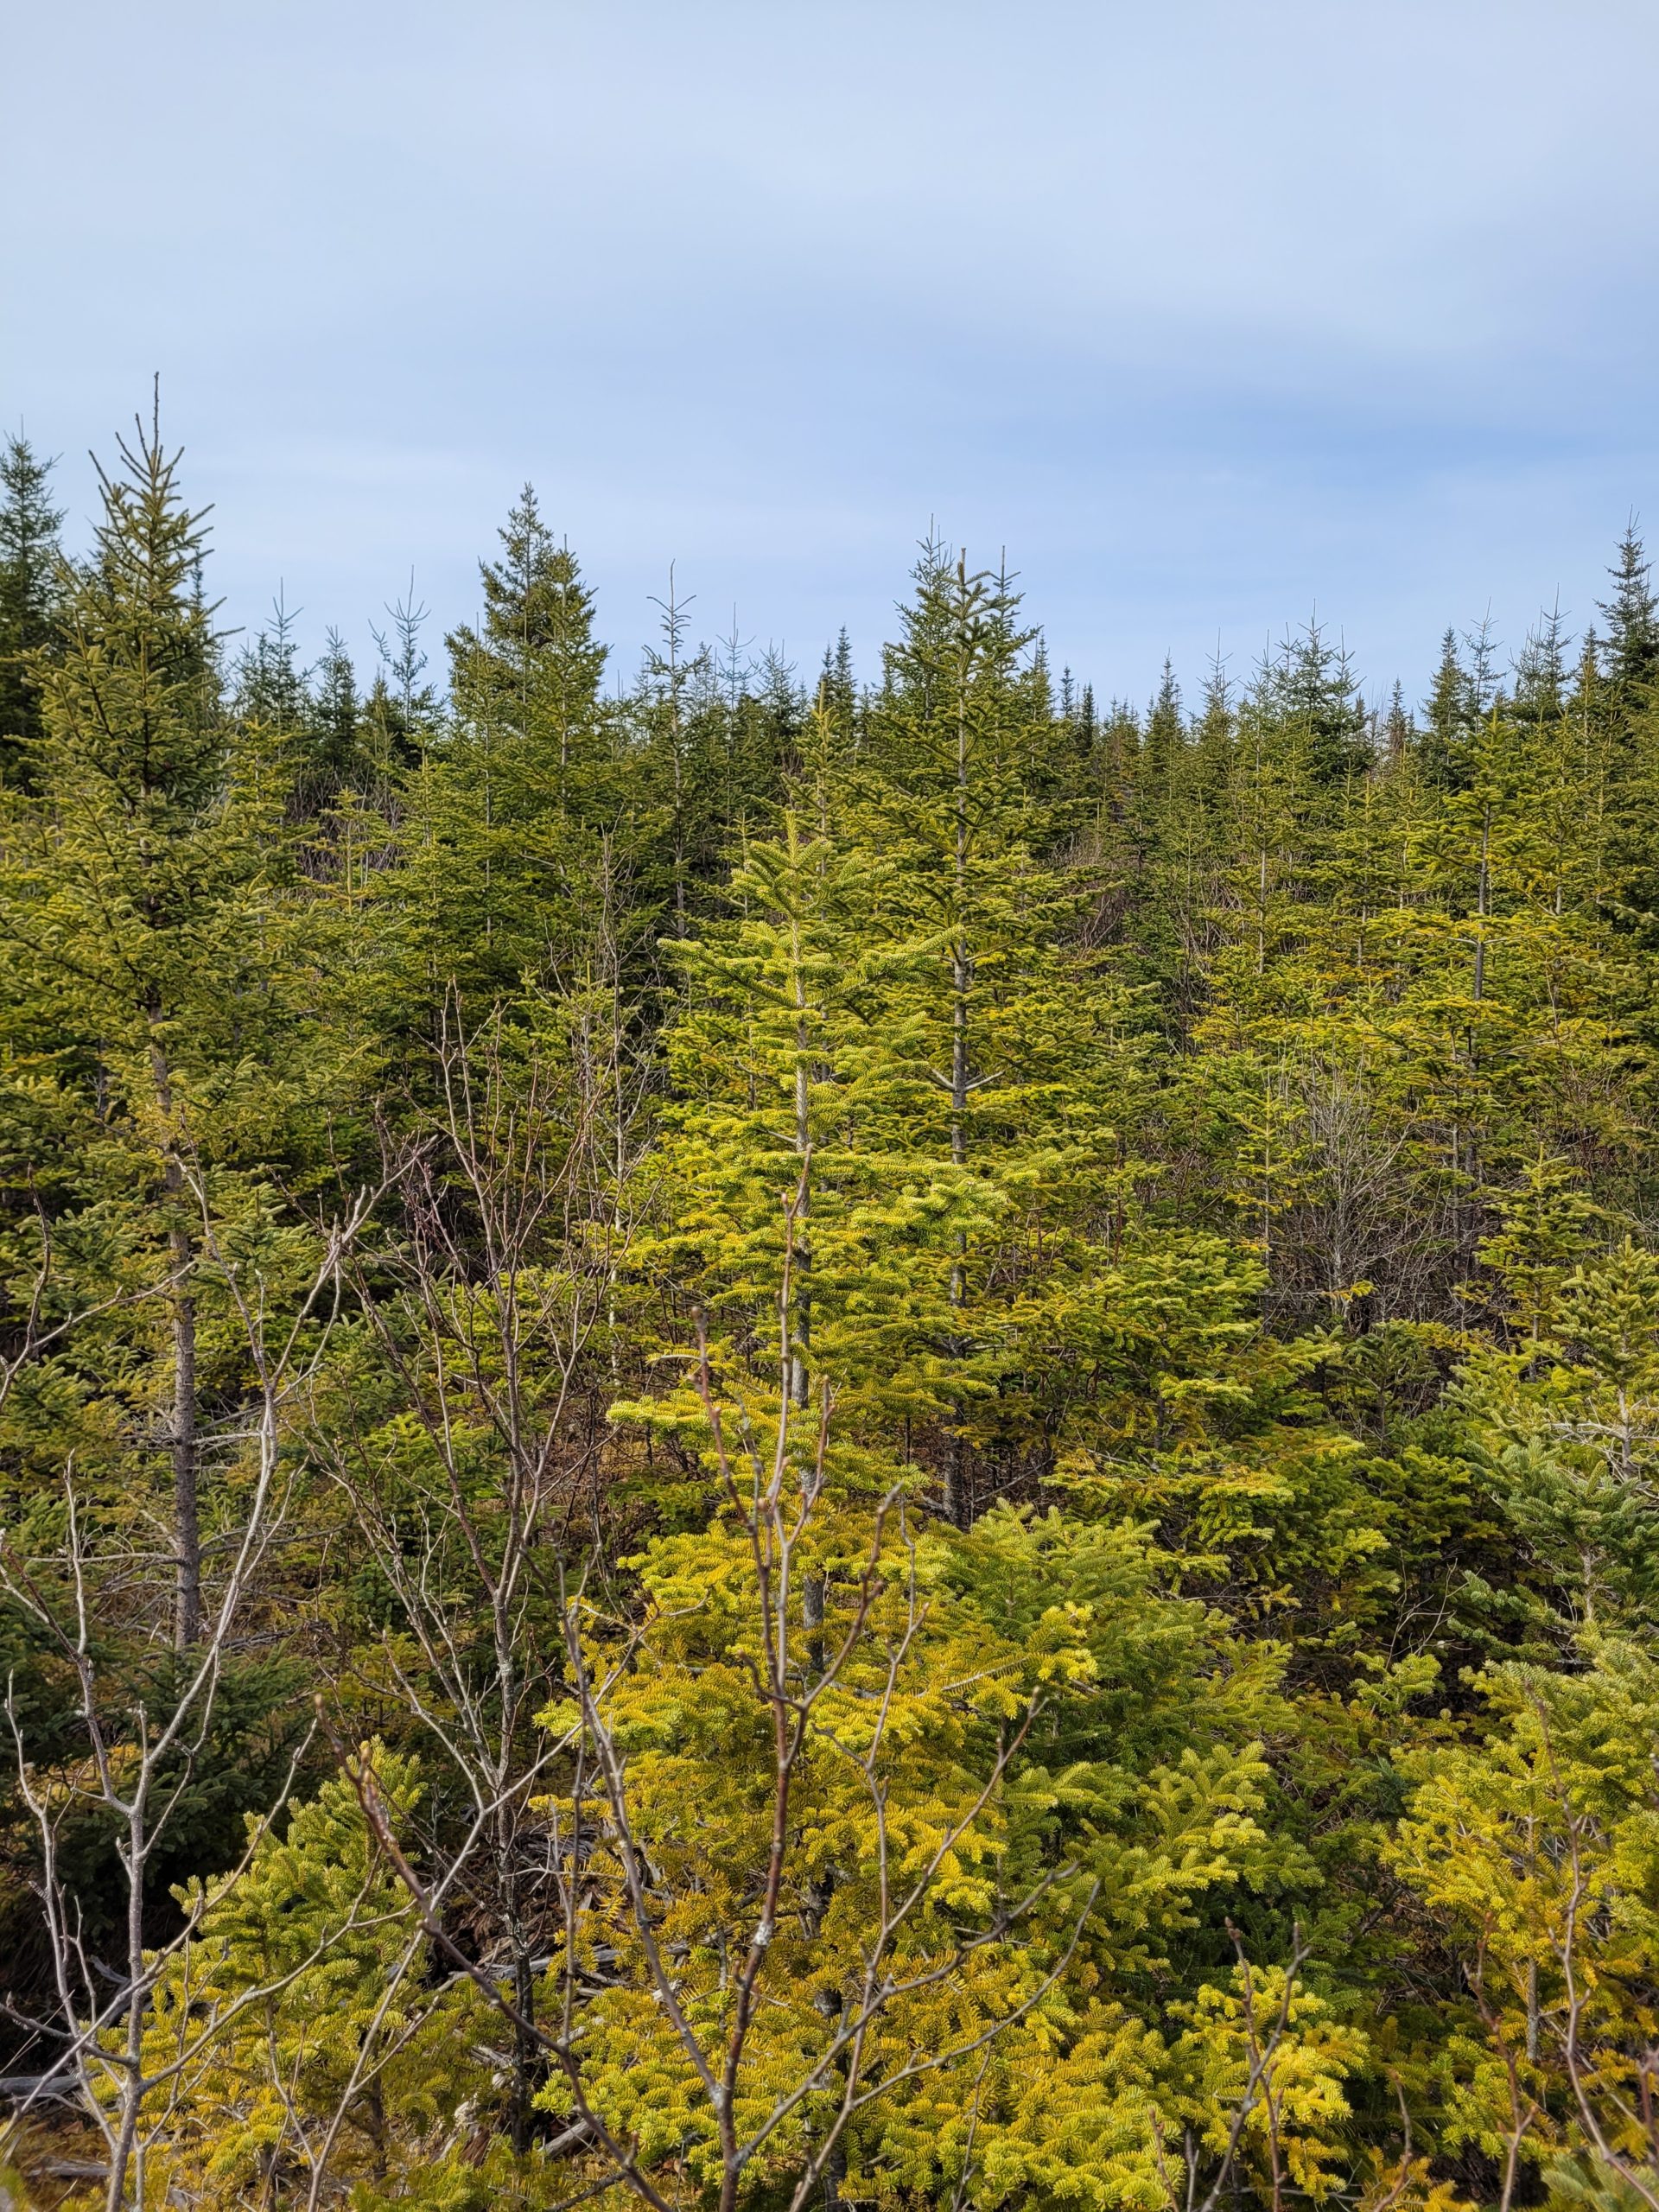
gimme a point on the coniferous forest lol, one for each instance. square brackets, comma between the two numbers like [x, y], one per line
[788, 1437]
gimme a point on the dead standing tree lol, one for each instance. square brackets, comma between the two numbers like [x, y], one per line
[492, 1315]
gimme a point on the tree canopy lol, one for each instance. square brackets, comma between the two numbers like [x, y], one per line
[776, 1441]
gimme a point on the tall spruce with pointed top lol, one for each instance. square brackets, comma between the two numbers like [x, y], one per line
[532, 672]
[952, 786]
[31, 582]
[147, 974]
[1157, 770]
[837, 691]
[505, 813]
[1540, 680]
[1449, 714]
[1319, 694]
[1630, 648]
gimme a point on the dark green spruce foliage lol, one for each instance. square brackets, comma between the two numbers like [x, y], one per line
[31, 581]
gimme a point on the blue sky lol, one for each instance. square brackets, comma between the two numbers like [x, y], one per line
[1210, 314]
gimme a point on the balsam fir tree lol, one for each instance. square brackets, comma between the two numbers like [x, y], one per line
[298, 2042]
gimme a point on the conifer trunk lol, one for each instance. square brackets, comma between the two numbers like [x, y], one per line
[186, 1516]
[182, 1426]
[813, 1583]
[961, 971]
[1482, 891]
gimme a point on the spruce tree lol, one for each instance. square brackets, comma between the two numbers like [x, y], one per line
[1317, 692]
[1158, 769]
[1630, 647]
[1449, 714]
[156, 994]
[531, 674]
[268, 685]
[336, 736]
[504, 816]
[1398, 729]
[953, 787]
[103, 904]
[31, 581]
[1541, 672]
[837, 689]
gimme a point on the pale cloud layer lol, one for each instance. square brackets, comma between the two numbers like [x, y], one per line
[1206, 311]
